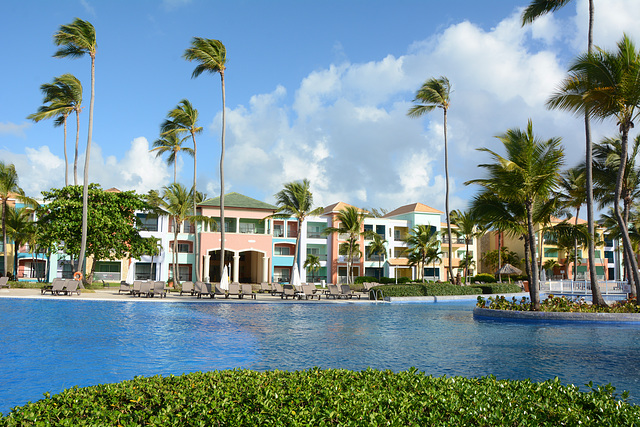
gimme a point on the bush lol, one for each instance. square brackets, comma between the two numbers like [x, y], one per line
[558, 304]
[483, 277]
[499, 288]
[360, 280]
[328, 397]
[421, 290]
[389, 280]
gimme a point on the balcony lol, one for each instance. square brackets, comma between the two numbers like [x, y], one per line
[345, 258]
[315, 235]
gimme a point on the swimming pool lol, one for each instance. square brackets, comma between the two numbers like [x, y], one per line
[49, 345]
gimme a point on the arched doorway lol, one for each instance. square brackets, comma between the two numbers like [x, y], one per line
[214, 272]
[245, 266]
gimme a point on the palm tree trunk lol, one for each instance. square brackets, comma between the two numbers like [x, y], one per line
[295, 253]
[175, 253]
[533, 286]
[196, 250]
[85, 189]
[4, 236]
[75, 158]
[446, 197]
[527, 258]
[66, 159]
[222, 175]
[499, 256]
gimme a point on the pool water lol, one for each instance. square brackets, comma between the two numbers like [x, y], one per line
[53, 345]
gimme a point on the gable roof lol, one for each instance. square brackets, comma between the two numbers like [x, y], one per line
[555, 220]
[237, 200]
[336, 207]
[414, 207]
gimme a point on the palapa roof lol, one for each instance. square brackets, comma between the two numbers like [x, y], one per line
[414, 207]
[237, 200]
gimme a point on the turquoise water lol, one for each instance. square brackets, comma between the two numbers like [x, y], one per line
[50, 345]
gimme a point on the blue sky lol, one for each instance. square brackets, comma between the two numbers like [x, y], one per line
[315, 90]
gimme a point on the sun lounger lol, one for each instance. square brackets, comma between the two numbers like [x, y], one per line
[136, 287]
[348, 293]
[247, 290]
[308, 291]
[145, 289]
[70, 286]
[4, 282]
[276, 289]
[334, 292]
[217, 290]
[234, 289]
[288, 291]
[57, 285]
[202, 289]
[124, 287]
[265, 287]
[187, 287]
[158, 289]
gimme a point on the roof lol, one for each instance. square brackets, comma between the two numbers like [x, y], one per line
[337, 207]
[237, 200]
[555, 220]
[414, 207]
[398, 261]
[112, 190]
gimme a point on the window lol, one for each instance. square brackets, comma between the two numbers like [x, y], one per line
[380, 230]
[282, 250]
[184, 247]
[145, 271]
[368, 227]
[108, 267]
[184, 272]
[147, 222]
[278, 230]
[551, 253]
[314, 230]
[608, 255]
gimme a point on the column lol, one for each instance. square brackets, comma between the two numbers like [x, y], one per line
[265, 269]
[207, 261]
[236, 268]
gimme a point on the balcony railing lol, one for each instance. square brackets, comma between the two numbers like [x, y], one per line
[321, 257]
[345, 258]
[457, 241]
[314, 235]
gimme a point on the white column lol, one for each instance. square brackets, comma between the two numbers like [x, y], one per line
[236, 268]
[265, 268]
[207, 261]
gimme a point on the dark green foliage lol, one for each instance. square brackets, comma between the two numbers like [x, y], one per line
[558, 304]
[362, 279]
[328, 397]
[483, 277]
[388, 280]
[499, 288]
[424, 289]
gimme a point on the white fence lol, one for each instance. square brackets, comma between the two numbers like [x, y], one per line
[584, 287]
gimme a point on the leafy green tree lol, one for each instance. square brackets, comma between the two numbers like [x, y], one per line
[527, 174]
[378, 247]
[351, 226]
[435, 93]
[184, 120]
[112, 232]
[467, 228]
[78, 39]
[172, 144]
[312, 263]
[606, 84]
[211, 56]
[495, 259]
[61, 98]
[295, 200]
[420, 240]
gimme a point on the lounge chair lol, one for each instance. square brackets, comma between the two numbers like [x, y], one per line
[70, 286]
[309, 291]
[145, 289]
[265, 287]
[187, 287]
[247, 290]
[57, 285]
[334, 292]
[348, 293]
[217, 290]
[202, 289]
[234, 289]
[124, 287]
[288, 291]
[4, 282]
[276, 289]
[158, 289]
[137, 284]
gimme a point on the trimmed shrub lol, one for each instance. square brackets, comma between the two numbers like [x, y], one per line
[328, 397]
[483, 277]
[499, 288]
[389, 280]
[427, 289]
[361, 279]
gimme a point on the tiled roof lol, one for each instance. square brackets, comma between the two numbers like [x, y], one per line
[414, 207]
[555, 220]
[336, 207]
[237, 200]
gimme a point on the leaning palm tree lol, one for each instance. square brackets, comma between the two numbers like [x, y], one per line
[78, 39]
[435, 93]
[606, 84]
[527, 175]
[378, 247]
[172, 144]
[184, 120]
[211, 56]
[295, 200]
[61, 98]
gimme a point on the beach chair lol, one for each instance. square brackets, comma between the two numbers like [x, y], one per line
[333, 292]
[124, 287]
[265, 287]
[202, 289]
[288, 291]
[145, 289]
[187, 287]
[247, 290]
[4, 282]
[276, 289]
[158, 289]
[346, 291]
[70, 286]
[136, 287]
[217, 290]
[309, 291]
[57, 285]
[234, 289]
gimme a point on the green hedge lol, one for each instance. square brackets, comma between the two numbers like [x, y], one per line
[361, 279]
[499, 288]
[327, 397]
[483, 277]
[426, 289]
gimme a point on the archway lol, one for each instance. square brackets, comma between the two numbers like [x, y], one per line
[214, 272]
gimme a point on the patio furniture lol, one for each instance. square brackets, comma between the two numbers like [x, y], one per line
[276, 289]
[137, 284]
[202, 289]
[158, 289]
[309, 291]
[217, 290]
[145, 289]
[247, 290]
[265, 287]
[4, 282]
[234, 289]
[124, 287]
[70, 286]
[288, 291]
[334, 292]
[56, 286]
[348, 293]
[187, 287]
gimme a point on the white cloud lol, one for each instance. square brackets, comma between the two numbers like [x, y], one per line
[612, 18]
[90, 10]
[8, 128]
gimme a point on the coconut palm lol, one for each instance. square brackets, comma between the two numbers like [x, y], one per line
[19, 228]
[312, 263]
[573, 193]
[76, 40]
[184, 120]
[435, 93]
[61, 98]
[420, 241]
[378, 247]
[172, 144]
[351, 225]
[606, 84]
[526, 175]
[295, 200]
[467, 228]
[211, 56]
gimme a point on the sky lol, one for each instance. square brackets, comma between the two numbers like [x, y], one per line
[316, 90]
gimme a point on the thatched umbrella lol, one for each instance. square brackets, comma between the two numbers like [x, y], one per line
[509, 269]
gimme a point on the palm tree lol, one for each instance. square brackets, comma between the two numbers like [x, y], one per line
[295, 200]
[184, 120]
[78, 39]
[419, 243]
[351, 225]
[61, 98]
[467, 228]
[312, 263]
[606, 84]
[435, 93]
[19, 228]
[172, 144]
[378, 247]
[573, 192]
[211, 56]
[526, 175]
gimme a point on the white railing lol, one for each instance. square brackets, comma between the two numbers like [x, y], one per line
[607, 287]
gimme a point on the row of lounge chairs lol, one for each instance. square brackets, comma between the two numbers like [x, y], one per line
[62, 287]
[148, 289]
[211, 290]
[307, 291]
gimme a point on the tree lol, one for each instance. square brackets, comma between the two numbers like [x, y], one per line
[526, 175]
[112, 232]
[378, 247]
[435, 93]
[61, 98]
[491, 258]
[420, 240]
[467, 228]
[211, 56]
[295, 200]
[78, 39]
[184, 120]
[172, 144]
[312, 263]
[606, 84]
[573, 192]
[351, 226]
[19, 228]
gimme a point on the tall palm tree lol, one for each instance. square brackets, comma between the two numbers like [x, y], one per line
[211, 56]
[378, 247]
[527, 175]
[76, 40]
[312, 263]
[468, 229]
[172, 144]
[573, 193]
[351, 225]
[536, 9]
[420, 241]
[606, 84]
[19, 228]
[295, 200]
[184, 120]
[435, 93]
[61, 98]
